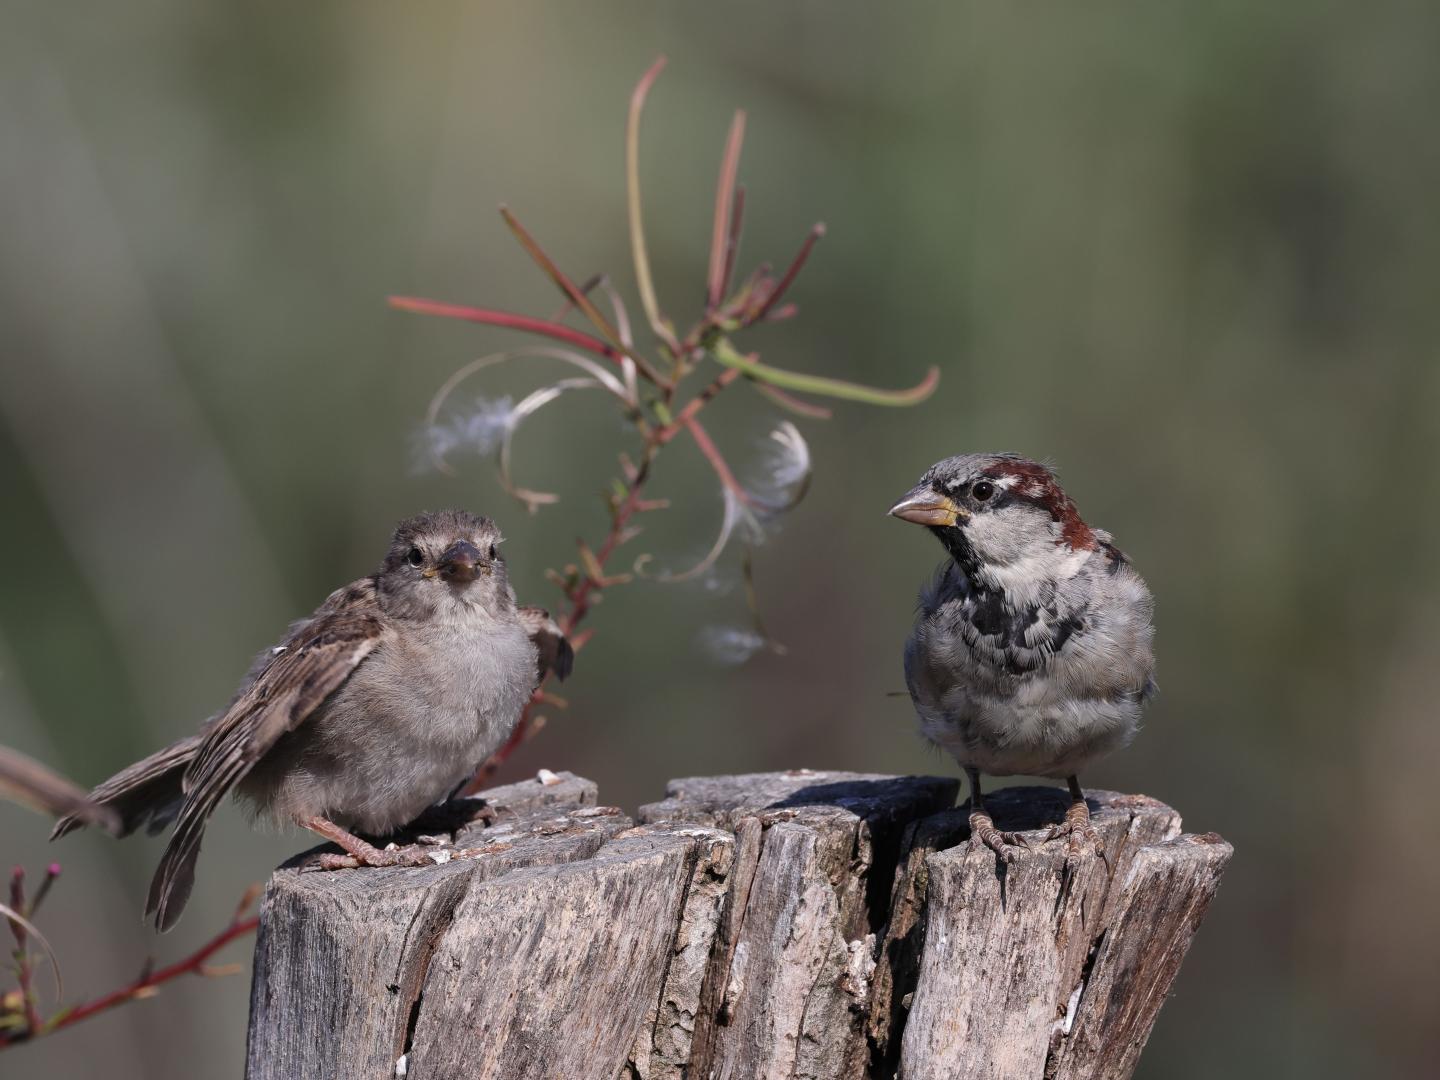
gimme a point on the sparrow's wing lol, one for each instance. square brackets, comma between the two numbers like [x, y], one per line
[317, 657]
[556, 655]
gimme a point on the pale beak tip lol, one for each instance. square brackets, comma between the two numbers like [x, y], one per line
[926, 506]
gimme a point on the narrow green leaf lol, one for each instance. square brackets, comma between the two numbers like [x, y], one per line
[798, 406]
[573, 291]
[644, 283]
[716, 282]
[726, 353]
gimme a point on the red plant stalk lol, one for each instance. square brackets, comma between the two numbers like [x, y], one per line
[147, 983]
[579, 599]
[24, 972]
[511, 320]
[757, 299]
[580, 596]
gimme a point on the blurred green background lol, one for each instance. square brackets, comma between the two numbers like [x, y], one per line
[1187, 252]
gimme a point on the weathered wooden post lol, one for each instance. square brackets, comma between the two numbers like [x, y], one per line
[797, 924]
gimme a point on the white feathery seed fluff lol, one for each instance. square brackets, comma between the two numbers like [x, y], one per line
[730, 645]
[478, 431]
[784, 472]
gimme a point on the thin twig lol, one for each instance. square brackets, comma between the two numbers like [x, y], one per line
[717, 461]
[789, 402]
[694, 405]
[23, 970]
[577, 297]
[149, 981]
[510, 320]
[759, 297]
[726, 353]
[732, 243]
[567, 305]
[644, 283]
[796, 264]
[579, 600]
[721, 236]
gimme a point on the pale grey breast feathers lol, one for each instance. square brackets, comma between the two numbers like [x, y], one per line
[994, 675]
[1101, 614]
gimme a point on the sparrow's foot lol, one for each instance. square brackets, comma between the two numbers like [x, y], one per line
[359, 852]
[328, 861]
[983, 829]
[1077, 831]
[409, 855]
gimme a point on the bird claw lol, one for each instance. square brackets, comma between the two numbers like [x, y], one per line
[1003, 844]
[409, 855]
[1075, 831]
[1079, 835]
[329, 861]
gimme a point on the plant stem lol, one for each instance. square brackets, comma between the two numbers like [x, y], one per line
[23, 970]
[511, 320]
[640, 256]
[579, 599]
[144, 986]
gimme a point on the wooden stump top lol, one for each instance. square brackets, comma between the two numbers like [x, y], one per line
[796, 924]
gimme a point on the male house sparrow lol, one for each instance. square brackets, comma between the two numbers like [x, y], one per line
[1031, 652]
[369, 711]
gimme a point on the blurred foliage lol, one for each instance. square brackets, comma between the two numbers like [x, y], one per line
[1187, 252]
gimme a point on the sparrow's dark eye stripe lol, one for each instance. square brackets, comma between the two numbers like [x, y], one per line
[415, 557]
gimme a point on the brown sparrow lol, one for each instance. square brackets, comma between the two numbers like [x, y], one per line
[1031, 652]
[368, 712]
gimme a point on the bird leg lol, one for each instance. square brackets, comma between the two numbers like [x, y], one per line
[1076, 827]
[983, 829]
[361, 852]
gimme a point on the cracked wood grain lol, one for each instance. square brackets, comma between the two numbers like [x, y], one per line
[1002, 962]
[816, 854]
[797, 924]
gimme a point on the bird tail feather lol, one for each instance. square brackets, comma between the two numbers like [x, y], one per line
[146, 794]
[175, 876]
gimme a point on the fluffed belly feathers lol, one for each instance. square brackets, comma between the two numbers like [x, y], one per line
[1045, 701]
[1057, 739]
[408, 726]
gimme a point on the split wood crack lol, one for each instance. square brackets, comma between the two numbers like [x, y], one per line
[797, 924]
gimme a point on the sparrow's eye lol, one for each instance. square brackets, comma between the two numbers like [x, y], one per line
[415, 556]
[982, 490]
[493, 553]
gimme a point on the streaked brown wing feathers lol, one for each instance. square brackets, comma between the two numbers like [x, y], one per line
[556, 655]
[316, 658]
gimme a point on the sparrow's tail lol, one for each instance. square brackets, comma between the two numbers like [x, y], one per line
[175, 876]
[146, 794]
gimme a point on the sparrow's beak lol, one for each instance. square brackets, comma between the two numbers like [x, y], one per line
[461, 563]
[923, 505]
